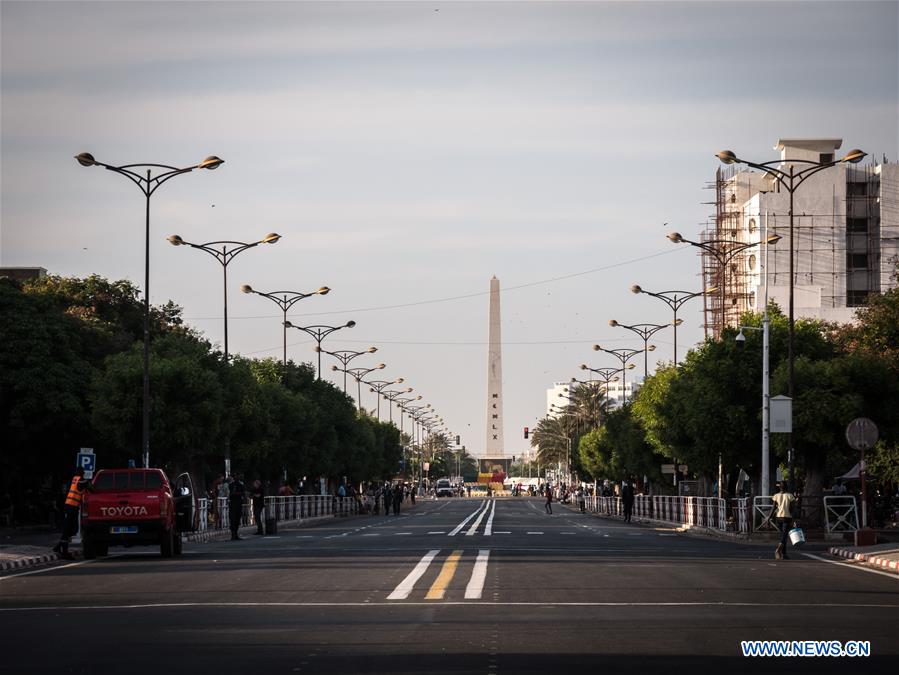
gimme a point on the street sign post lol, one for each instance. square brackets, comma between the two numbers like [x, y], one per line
[861, 434]
[87, 460]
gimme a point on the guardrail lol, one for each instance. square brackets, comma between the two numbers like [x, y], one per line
[214, 513]
[840, 513]
[710, 512]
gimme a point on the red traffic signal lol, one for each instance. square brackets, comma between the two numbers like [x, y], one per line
[525, 432]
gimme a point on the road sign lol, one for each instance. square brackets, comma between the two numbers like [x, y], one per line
[87, 460]
[667, 468]
[861, 433]
[781, 415]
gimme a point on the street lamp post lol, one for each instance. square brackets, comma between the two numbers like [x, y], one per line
[645, 331]
[623, 355]
[723, 250]
[392, 396]
[319, 333]
[224, 258]
[358, 374]
[766, 382]
[674, 299]
[345, 356]
[401, 403]
[148, 184]
[791, 180]
[378, 386]
[285, 300]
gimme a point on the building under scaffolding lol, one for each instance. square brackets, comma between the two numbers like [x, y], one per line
[846, 228]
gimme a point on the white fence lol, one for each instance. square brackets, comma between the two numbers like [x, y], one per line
[840, 513]
[214, 513]
[708, 512]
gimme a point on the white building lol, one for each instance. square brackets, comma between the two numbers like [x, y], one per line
[558, 394]
[846, 234]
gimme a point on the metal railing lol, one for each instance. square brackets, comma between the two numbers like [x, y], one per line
[740, 510]
[708, 512]
[840, 513]
[214, 513]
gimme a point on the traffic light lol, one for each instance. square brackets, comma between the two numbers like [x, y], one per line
[458, 440]
[525, 432]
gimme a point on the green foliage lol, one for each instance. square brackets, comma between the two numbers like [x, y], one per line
[71, 375]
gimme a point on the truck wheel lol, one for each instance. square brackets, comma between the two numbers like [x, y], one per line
[167, 544]
[178, 543]
[88, 548]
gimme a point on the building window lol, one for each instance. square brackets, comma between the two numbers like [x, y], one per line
[752, 262]
[826, 157]
[856, 261]
[857, 189]
[752, 225]
[859, 225]
[857, 298]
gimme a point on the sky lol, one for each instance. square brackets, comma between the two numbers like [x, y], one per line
[409, 151]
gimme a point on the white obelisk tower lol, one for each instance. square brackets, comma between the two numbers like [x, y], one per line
[494, 447]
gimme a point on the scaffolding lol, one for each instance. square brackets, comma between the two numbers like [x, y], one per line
[846, 242]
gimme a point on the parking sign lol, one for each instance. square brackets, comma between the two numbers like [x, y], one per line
[87, 460]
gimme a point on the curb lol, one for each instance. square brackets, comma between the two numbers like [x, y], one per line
[877, 561]
[19, 563]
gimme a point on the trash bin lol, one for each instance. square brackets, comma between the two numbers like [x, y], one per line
[271, 526]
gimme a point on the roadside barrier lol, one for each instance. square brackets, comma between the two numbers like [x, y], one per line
[214, 513]
[840, 513]
[710, 512]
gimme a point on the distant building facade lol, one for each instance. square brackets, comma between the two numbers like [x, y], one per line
[846, 237]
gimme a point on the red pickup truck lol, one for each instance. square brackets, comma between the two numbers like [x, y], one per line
[133, 507]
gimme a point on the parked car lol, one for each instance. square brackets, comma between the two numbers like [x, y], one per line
[137, 507]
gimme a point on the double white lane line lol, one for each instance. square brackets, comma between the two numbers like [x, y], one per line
[480, 512]
[473, 590]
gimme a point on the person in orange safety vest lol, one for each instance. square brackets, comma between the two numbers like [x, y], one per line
[70, 512]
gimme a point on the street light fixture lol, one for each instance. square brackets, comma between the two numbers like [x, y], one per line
[723, 250]
[357, 374]
[674, 299]
[224, 258]
[345, 356]
[791, 180]
[645, 331]
[623, 355]
[392, 396]
[286, 300]
[148, 184]
[319, 333]
[379, 386]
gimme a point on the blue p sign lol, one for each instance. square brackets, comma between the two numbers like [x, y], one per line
[86, 462]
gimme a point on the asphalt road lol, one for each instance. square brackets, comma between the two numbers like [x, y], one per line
[452, 586]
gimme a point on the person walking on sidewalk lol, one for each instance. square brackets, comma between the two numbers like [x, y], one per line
[548, 507]
[236, 495]
[627, 500]
[77, 487]
[258, 495]
[782, 512]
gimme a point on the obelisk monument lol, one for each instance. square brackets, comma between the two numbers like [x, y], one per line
[493, 449]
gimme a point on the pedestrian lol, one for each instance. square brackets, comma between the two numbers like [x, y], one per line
[627, 499]
[468, 487]
[548, 507]
[581, 499]
[386, 498]
[397, 494]
[78, 485]
[258, 496]
[236, 496]
[782, 512]
[285, 490]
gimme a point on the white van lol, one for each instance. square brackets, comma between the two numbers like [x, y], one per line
[444, 488]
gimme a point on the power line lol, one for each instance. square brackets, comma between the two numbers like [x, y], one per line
[451, 298]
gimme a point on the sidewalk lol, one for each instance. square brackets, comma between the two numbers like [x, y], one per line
[885, 556]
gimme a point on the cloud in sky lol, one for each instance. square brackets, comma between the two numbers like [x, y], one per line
[407, 155]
